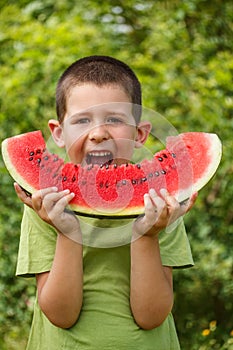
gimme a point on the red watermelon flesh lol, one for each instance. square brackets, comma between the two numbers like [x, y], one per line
[184, 167]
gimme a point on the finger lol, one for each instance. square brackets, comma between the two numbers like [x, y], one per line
[157, 200]
[170, 200]
[57, 201]
[188, 204]
[38, 197]
[22, 195]
[150, 209]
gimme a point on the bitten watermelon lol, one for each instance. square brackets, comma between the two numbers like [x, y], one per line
[185, 166]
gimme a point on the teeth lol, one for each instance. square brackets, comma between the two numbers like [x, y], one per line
[99, 154]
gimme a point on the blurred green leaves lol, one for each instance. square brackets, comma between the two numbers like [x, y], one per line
[182, 53]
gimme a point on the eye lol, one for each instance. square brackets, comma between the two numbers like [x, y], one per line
[81, 120]
[114, 120]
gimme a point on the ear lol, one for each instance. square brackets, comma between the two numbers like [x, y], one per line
[143, 131]
[56, 131]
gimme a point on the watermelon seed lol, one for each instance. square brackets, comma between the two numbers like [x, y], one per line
[46, 158]
[115, 165]
[134, 182]
[107, 184]
[138, 166]
[106, 166]
[38, 160]
[73, 179]
[150, 175]
[163, 172]
[38, 151]
[160, 159]
[90, 167]
[31, 158]
[143, 179]
[164, 155]
[124, 182]
[156, 173]
[55, 159]
[173, 155]
[31, 153]
[101, 184]
[64, 178]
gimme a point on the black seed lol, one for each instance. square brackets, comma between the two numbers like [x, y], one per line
[173, 155]
[138, 166]
[126, 164]
[156, 173]
[55, 159]
[38, 151]
[160, 159]
[64, 178]
[46, 157]
[31, 158]
[124, 182]
[115, 165]
[31, 153]
[73, 179]
[38, 160]
[107, 184]
[150, 175]
[55, 175]
[101, 165]
[106, 166]
[89, 167]
[101, 184]
[134, 182]
[143, 179]
[164, 155]
[163, 172]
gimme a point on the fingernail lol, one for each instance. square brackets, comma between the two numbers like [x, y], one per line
[163, 192]
[152, 192]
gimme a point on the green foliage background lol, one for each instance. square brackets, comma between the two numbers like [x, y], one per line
[182, 53]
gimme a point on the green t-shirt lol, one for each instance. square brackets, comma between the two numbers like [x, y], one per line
[105, 321]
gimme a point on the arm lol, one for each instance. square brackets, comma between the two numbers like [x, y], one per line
[60, 289]
[151, 293]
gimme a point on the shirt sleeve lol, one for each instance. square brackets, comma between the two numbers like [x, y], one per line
[175, 249]
[37, 245]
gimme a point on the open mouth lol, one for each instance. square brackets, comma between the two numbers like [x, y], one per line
[100, 158]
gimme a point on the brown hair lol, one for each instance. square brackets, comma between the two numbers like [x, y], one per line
[99, 70]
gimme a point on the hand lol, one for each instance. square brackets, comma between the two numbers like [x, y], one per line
[160, 212]
[50, 205]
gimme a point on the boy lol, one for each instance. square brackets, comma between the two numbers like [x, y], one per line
[89, 297]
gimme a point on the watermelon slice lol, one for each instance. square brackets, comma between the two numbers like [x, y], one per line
[184, 167]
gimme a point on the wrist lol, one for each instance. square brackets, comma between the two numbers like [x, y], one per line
[74, 235]
[151, 235]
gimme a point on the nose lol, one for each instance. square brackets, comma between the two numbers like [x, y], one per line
[99, 133]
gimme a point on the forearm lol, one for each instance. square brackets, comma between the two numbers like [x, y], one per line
[151, 294]
[60, 291]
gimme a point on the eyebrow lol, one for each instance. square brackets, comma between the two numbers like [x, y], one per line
[88, 113]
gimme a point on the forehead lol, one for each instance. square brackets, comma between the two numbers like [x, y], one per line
[87, 96]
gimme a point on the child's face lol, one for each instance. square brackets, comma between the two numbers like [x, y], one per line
[98, 127]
